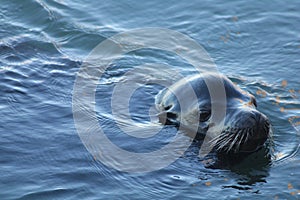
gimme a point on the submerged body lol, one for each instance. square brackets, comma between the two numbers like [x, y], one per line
[243, 129]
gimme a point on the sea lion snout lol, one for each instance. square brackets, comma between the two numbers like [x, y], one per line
[250, 130]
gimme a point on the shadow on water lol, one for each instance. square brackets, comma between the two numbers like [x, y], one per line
[252, 168]
[249, 169]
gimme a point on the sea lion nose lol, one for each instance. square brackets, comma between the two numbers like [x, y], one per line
[257, 132]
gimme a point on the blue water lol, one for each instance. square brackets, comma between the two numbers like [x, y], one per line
[42, 46]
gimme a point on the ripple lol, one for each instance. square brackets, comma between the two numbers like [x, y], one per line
[41, 48]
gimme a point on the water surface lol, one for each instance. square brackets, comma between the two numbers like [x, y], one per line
[42, 46]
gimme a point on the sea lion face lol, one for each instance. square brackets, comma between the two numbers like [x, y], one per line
[244, 128]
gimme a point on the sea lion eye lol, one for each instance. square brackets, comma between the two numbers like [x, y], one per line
[204, 115]
[253, 100]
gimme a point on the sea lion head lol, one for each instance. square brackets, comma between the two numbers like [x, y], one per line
[244, 129]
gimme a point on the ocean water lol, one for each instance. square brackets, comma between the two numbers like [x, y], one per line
[45, 43]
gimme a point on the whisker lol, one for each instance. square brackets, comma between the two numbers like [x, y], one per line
[226, 142]
[248, 133]
[223, 144]
[234, 141]
[219, 138]
[244, 134]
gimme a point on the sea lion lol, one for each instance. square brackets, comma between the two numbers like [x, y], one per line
[244, 129]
